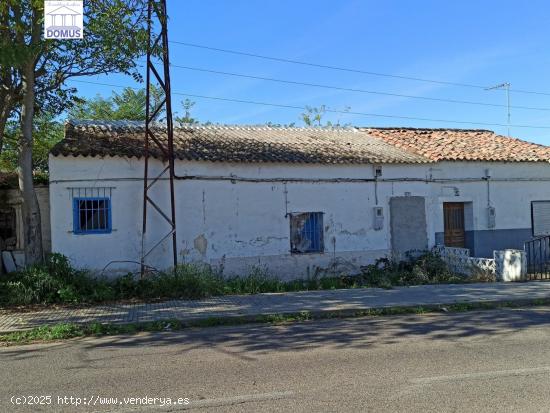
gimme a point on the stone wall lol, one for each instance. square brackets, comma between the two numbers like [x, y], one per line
[13, 243]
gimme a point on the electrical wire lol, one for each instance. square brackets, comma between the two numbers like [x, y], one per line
[288, 106]
[322, 66]
[345, 89]
[347, 69]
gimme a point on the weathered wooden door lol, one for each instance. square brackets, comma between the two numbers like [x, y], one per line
[453, 215]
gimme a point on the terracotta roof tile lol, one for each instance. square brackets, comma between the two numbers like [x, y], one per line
[462, 144]
[301, 145]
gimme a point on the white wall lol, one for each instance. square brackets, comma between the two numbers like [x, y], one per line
[244, 223]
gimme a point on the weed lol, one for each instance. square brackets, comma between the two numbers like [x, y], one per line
[417, 268]
[57, 282]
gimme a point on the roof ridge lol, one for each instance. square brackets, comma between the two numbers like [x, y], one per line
[134, 123]
[424, 129]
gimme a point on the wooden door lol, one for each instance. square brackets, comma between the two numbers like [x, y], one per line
[453, 214]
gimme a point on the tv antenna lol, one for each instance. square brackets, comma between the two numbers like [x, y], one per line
[505, 86]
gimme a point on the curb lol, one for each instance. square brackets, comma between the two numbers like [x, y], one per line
[306, 315]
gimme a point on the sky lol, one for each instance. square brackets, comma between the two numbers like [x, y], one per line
[482, 43]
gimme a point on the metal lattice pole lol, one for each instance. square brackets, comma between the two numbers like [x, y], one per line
[154, 140]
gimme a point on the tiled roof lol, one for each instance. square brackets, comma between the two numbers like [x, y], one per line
[462, 144]
[301, 145]
[235, 144]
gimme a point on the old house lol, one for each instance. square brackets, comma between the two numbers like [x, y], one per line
[12, 240]
[297, 199]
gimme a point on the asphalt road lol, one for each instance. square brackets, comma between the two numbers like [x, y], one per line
[476, 361]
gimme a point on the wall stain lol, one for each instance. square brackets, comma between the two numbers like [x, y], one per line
[201, 244]
[263, 241]
[361, 231]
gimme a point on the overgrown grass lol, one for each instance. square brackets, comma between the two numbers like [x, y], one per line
[57, 282]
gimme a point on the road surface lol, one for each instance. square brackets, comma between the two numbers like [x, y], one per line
[494, 361]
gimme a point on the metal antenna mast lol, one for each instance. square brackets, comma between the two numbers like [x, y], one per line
[159, 139]
[505, 86]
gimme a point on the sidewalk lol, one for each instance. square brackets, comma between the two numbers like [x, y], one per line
[261, 304]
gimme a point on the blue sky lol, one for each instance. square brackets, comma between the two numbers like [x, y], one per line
[477, 42]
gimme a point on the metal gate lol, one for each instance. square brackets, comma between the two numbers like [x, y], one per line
[538, 258]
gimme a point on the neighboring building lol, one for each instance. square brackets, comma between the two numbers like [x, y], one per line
[297, 199]
[12, 240]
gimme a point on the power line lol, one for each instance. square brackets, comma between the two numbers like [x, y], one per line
[287, 106]
[322, 66]
[346, 89]
[347, 69]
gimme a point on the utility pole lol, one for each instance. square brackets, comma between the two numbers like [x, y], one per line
[158, 138]
[505, 86]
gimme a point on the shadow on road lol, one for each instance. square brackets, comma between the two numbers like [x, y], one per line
[243, 341]
[349, 333]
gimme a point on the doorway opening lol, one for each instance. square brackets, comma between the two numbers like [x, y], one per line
[454, 224]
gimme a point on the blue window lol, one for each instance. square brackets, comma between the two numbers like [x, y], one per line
[92, 215]
[306, 232]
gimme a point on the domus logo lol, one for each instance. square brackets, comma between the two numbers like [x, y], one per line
[63, 20]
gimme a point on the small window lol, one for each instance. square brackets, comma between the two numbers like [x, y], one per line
[306, 232]
[92, 215]
[540, 217]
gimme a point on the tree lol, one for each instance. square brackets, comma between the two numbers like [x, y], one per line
[186, 118]
[313, 116]
[47, 131]
[128, 105]
[34, 72]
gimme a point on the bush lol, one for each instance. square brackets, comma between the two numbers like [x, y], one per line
[188, 281]
[56, 281]
[416, 269]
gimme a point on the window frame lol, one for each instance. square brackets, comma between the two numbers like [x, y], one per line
[533, 217]
[320, 235]
[76, 216]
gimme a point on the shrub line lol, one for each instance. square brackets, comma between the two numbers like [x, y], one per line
[58, 282]
[65, 331]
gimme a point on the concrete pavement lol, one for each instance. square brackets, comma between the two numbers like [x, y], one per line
[260, 304]
[487, 361]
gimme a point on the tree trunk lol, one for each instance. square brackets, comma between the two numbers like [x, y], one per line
[5, 110]
[31, 211]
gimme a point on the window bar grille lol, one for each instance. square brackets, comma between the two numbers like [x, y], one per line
[93, 208]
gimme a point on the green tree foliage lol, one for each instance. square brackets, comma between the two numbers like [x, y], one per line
[187, 118]
[47, 132]
[34, 71]
[127, 105]
[313, 116]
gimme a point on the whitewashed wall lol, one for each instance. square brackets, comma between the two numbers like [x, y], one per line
[243, 223]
